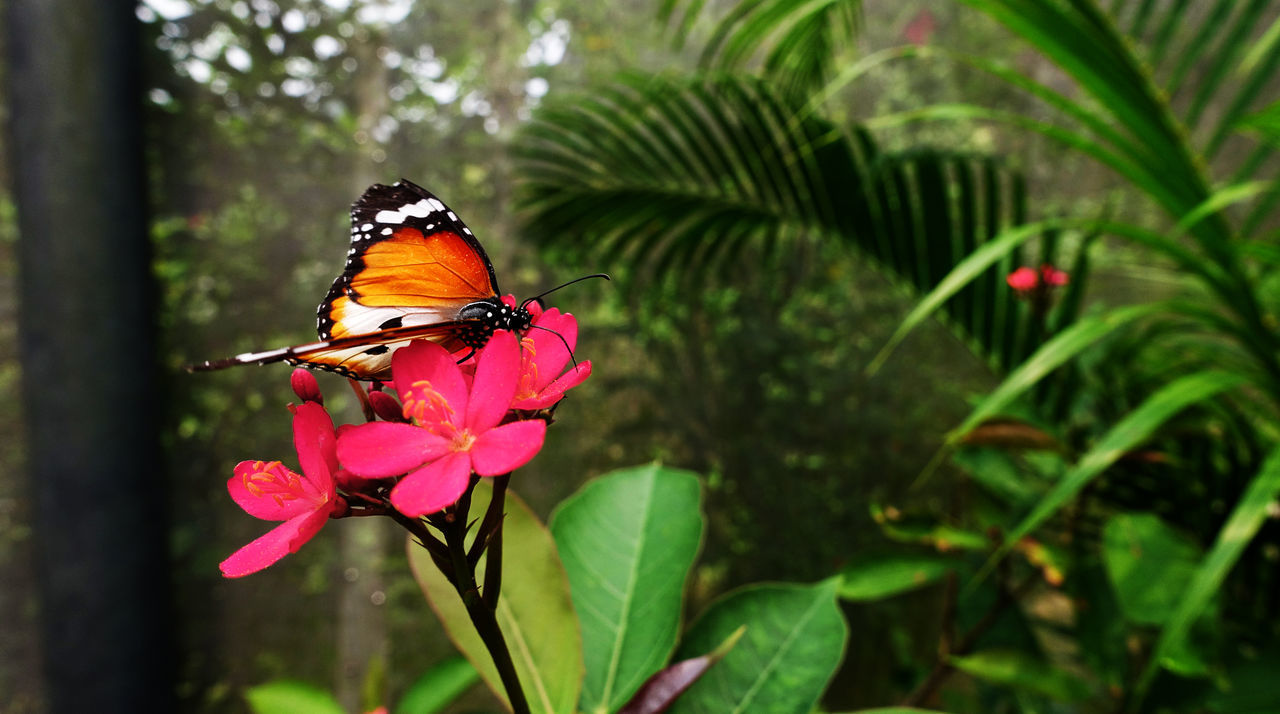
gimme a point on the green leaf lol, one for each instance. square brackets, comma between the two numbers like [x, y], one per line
[895, 710]
[876, 577]
[534, 611]
[663, 180]
[1239, 530]
[995, 470]
[1149, 565]
[628, 540]
[1022, 671]
[794, 641]
[290, 697]
[438, 687]
[964, 273]
[1266, 123]
[925, 531]
[1051, 355]
[1131, 431]
[662, 689]
[1221, 199]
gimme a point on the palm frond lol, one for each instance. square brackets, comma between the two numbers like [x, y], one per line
[796, 42]
[654, 179]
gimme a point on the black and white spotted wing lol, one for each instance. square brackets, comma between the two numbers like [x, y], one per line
[414, 271]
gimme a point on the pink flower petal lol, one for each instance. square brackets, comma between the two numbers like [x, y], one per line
[275, 544]
[497, 376]
[382, 449]
[551, 346]
[428, 362]
[507, 447]
[554, 391]
[269, 491]
[348, 481]
[434, 486]
[317, 447]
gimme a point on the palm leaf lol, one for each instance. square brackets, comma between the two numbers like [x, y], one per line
[669, 180]
[796, 41]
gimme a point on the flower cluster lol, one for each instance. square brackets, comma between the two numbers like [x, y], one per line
[486, 416]
[1025, 281]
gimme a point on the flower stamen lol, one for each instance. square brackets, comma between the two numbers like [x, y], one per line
[425, 404]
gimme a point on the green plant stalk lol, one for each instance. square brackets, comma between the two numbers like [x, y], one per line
[482, 617]
[493, 535]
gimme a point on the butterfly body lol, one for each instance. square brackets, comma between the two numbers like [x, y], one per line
[414, 271]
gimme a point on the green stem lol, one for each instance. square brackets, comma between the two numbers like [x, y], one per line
[438, 551]
[493, 534]
[483, 618]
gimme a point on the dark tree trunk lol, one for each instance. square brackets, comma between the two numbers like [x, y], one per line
[87, 355]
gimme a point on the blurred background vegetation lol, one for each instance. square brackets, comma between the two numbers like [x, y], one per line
[773, 186]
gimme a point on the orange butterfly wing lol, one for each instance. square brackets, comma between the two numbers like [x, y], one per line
[412, 267]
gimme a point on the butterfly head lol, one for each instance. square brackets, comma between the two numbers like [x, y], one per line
[490, 315]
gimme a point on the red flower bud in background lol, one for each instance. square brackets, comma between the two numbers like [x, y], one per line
[1023, 280]
[1052, 276]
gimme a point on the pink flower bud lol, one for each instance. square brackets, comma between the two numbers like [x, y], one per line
[386, 406]
[1052, 276]
[305, 386]
[1023, 280]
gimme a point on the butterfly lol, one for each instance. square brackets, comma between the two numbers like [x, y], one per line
[414, 271]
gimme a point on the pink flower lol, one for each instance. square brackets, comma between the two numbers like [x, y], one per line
[269, 491]
[1023, 280]
[547, 349]
[1052, 276]
[456, 427]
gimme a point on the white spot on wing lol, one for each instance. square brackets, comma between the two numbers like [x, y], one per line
[421, 209]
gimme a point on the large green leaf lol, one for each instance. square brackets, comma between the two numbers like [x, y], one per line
[290, 697]
[534, 611]
[662, 689]
[628, 540]
[1149, 565]
[438, 687]
[1245, 520]
[794, 640]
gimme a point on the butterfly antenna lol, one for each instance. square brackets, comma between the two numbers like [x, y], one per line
[562, 339]
[545, 293]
